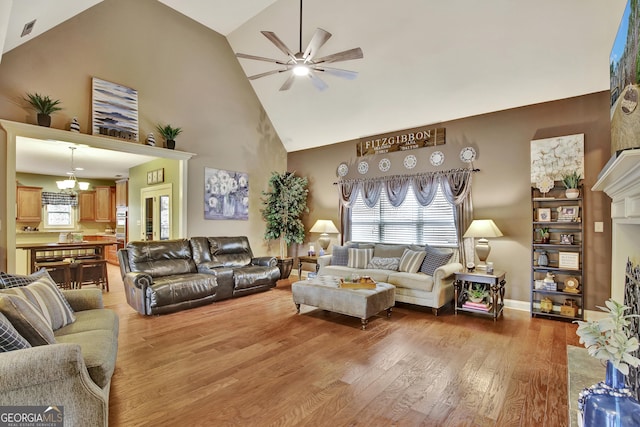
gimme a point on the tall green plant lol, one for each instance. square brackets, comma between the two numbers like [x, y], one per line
[284, 204]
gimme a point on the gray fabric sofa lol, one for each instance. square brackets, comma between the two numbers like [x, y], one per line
[430, 290]
[171, 275]
[75, 372]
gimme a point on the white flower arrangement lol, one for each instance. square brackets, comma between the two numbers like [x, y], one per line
[609, 338]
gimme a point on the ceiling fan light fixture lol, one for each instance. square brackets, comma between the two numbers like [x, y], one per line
[300, 70]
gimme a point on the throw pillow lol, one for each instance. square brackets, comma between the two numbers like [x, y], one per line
[359, 258]
[27, 319]
[384, 263]
[339, 255]
[411, 261]
[435, 258]
[388, 251]
[12, 280]
[45, 296]
[10, 339]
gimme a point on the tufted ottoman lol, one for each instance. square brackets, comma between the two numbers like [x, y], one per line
[324, 292]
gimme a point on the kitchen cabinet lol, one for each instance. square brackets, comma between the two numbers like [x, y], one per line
[104, 204]
[122, 193]
[29, 204]
[87, 205]
[111, 251]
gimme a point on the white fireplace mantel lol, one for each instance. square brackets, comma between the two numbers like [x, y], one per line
[620, 180]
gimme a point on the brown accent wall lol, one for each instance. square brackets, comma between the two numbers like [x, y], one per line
[501, 190]
[185, 74]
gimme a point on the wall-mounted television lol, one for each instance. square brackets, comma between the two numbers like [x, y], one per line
[624, 68]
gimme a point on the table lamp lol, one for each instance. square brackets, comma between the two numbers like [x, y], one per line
[482, 228]
[324, 226]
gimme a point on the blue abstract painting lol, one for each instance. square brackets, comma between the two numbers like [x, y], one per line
[115, 110]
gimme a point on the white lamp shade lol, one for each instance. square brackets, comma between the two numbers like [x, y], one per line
[483, 228]
[324, 226]
[83, 185]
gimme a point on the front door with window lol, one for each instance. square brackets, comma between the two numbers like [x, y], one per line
[156, 212]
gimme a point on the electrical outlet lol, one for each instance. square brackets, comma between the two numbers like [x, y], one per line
[599, 227]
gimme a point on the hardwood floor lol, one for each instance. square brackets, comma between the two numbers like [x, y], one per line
[253, 361]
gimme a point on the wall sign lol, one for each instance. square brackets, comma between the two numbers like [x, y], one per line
[409, 139]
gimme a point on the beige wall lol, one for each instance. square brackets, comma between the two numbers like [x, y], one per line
[185, 74]
[501, 190]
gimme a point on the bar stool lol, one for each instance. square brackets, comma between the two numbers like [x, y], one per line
[91, 271]
[60, 272]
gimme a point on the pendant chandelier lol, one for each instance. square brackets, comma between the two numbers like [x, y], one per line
[71, 182]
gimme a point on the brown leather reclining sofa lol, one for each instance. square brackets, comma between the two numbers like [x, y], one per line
[171, 275]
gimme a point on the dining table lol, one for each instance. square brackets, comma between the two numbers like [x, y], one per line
[41, 252]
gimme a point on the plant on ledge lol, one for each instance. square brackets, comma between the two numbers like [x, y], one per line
[169, 134]
[571, 180]
[284, 204]
[44, 106]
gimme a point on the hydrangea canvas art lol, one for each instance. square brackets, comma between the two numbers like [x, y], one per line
[226, 194]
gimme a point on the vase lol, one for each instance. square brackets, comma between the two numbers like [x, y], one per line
[609, 403]
[572, 193]
[285, 266]
[171, 144]
[44, 120]
[543, 259]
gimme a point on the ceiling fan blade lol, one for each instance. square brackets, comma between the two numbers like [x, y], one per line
[279, 44]
[317, 81]
[347, 55]
[259, 58]
[345, 74]
[287, 84]
[268, 73]
[319, 38]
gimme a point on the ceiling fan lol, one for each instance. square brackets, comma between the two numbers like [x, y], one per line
[305, 63]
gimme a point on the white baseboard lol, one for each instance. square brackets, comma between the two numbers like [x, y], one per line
[518, 305]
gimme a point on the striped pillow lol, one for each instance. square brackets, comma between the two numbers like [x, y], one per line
[359, 258]
[46, 297]
[27, 319]
[10, 338]
[411, 261]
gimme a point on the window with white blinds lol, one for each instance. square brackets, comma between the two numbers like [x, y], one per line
[408, 223]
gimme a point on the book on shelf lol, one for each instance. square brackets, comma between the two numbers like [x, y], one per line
[482, 306]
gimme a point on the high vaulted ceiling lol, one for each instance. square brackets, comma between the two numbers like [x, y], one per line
[425, 61]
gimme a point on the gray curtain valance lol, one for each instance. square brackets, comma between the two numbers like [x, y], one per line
[49, 198]
[456, 185]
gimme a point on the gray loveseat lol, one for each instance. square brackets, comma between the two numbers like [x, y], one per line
[431, 286]
[171, 275]
[75, 372]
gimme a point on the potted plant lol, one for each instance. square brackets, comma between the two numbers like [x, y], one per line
[609, 339]
[544, 234]
[169, 134]
[44, 106]
[571, 181]
[476, 292]
[284, 204]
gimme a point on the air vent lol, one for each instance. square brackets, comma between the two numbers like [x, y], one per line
[27, 28]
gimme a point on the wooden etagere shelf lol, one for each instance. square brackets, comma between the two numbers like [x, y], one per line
[564, 250]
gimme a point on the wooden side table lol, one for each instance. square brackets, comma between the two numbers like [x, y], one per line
[310, 259]
[494, 283]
